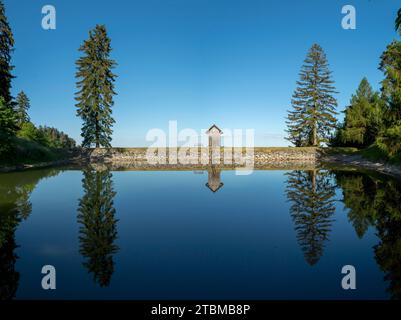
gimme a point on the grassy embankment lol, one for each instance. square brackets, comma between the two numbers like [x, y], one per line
[372, 153]
[29, 152]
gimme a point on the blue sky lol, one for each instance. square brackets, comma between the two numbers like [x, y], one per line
[229, 62]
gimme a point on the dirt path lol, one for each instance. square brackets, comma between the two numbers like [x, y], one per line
[360, 162]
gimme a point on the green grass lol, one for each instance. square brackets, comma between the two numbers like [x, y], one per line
[375, 153]
[30, 152]
[285, 149]
[339, 150]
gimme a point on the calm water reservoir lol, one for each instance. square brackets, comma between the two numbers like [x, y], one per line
[199, 235]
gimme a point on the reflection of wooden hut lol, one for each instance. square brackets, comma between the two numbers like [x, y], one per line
[214, 134]
[214, 180]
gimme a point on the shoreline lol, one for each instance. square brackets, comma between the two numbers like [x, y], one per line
[279, 158]
[357, 161]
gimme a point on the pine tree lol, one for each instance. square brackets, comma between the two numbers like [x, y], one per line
[98, 225]
[95, 82]
[21, 108]
[390, 64]
[8, 129]
[363, 120]
[6, 49]
[311, 194]
[312, 117]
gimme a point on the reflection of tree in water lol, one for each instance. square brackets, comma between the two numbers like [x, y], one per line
[311, 194]
[98, 225]
[375, 200]
[359, 195]
[15, 190]
[9, 277]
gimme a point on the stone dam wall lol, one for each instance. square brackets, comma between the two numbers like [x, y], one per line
[142, 158]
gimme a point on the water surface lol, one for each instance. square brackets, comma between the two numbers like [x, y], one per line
[199, 235]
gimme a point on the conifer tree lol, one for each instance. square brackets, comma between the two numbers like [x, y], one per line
[312, 118]
[22, 105]
[7, 117]
[363, 118]
[98, 225]
[390, 140]
[6, 49]
[8, 129]
[95, 82]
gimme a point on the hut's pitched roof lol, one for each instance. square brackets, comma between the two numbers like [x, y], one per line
[214, 126]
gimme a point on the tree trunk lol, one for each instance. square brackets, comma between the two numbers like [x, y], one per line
[314, 137]
[97, 135]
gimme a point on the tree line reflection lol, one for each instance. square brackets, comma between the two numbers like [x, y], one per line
[371, 201]
[15, 190]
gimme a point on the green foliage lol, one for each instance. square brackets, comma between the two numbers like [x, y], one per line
[46, 136]
[363, 118]
[375, 201]
[374, 122]
[311, 194]
[53, 138]
[98, 225]
[391, 85]
[8, 129]
[390, 141]
[21, 108]
[6, 48]
[29, 132]
[95, 82]
[312, 118]
[375, 152]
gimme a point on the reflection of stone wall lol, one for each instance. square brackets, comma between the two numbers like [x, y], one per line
[136, 157]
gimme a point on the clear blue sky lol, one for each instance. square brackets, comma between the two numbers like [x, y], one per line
[229, 62]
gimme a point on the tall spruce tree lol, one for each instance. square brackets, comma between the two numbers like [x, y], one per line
[95, 82]
[312, 118]
[7, 117]
[6, 49]
[22, 105]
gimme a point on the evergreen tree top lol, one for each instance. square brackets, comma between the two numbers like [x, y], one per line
[364, 91]
[398, 21]
[6, 36]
